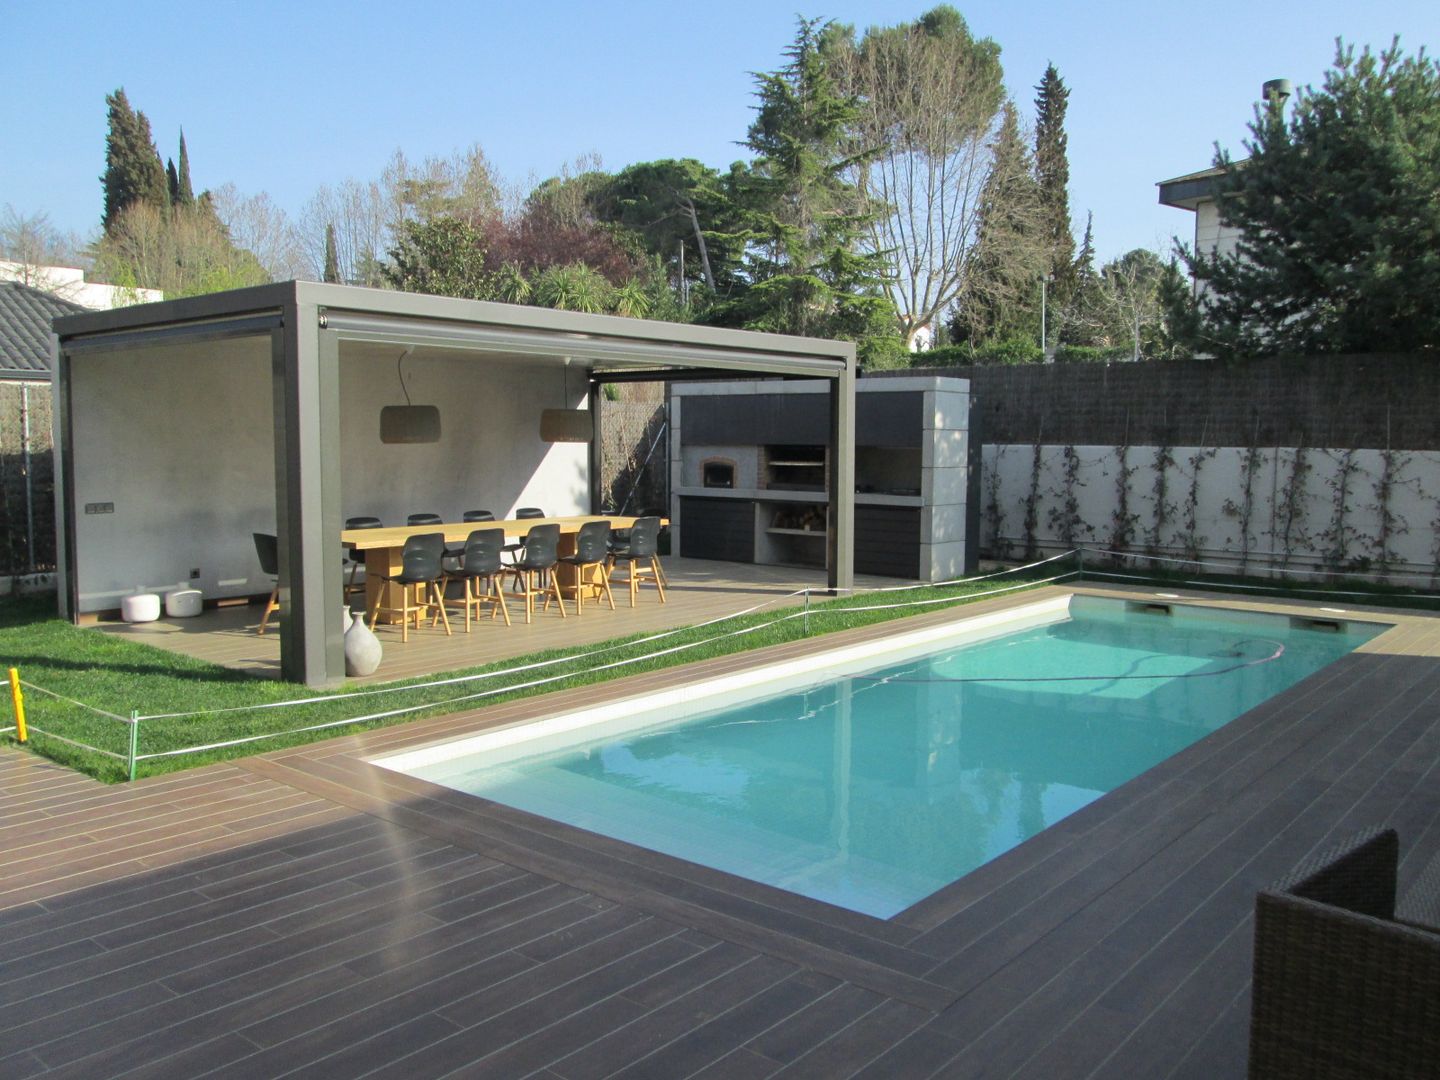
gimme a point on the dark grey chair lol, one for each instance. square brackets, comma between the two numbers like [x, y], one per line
[522, 514]
[424, 519]
[421, 567]
[267, 550]
[480, 564]
[535, 572]
[354, 557]
[641, 556]
[1346, 982]
[592, 563]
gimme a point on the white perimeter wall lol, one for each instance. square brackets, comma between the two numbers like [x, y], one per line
[1413, 503]
[181, 441]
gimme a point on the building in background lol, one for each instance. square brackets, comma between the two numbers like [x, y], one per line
[68, 283]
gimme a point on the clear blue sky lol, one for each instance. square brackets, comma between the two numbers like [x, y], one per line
[284, 97]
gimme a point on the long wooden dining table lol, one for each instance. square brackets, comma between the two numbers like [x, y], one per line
[383, 549]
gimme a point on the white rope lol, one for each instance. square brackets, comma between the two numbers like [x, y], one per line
[834, 609]
[405, 710]
[72, 701]
[81, 745]
[589, 654]
[453, 680]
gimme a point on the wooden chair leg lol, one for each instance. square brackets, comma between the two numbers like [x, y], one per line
[271, 605]
[440, 604]
[659, 578]
[497, 599]
[605, 584]
[634, 589]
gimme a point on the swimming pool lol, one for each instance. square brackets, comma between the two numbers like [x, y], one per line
[872, 776]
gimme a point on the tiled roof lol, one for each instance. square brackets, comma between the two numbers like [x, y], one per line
[25, 315]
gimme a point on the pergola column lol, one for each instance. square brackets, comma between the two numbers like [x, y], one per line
[305, 368]
[840, 533]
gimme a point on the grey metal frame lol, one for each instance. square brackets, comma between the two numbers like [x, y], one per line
[306, 322]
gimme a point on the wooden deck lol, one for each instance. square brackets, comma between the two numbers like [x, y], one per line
[306, 912]
[701, 589]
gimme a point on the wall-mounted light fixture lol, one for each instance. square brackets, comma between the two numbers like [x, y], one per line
[408, 423]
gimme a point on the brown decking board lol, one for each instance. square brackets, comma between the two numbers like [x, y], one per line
[305, 910]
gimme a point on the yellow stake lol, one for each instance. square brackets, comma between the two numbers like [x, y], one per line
[18, 699]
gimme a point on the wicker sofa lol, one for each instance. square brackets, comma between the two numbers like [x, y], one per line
[1345, 984]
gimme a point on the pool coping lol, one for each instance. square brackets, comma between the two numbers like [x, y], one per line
[892, 956]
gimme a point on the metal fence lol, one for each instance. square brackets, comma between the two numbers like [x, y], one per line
[634, 456]
[27, 480]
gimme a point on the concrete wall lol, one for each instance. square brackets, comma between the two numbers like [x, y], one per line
[181, 442]
[490, 455]
[1290, 517]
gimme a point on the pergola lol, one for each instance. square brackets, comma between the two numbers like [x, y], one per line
[173, 419]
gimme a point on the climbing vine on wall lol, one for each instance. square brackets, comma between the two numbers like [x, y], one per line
[1164, 509]
[1389, 524]
[1251, 463]
[1290, 530]
[1339, 537]
[1190, 540]
[1032, 504]
[1123, 519]
[1065, 520]
[994, 515]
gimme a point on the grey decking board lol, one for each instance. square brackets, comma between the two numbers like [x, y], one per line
[703, 985]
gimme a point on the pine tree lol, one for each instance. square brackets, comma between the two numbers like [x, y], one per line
[1052, 170]
[805, 272]
[1338, 210]
[332, 257]
[1010, 254]
[184, 194]
[133, 170]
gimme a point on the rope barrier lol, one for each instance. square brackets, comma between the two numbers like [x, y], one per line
[589, 654]
[133, 757]
[71, 701]
[81, 745]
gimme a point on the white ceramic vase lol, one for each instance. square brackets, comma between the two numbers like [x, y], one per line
[362, 649]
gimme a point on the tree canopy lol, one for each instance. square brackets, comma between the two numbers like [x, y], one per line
[928, 97]
[1338, 208]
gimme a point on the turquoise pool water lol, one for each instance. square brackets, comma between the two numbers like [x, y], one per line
[873, 791]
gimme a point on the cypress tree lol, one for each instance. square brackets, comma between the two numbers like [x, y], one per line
[1052, 170]
[133, 170]
[332, 257]
[1010, 254]
[172, 182]
[1079, 316]
[184, 193]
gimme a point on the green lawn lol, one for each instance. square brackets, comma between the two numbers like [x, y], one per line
[118, 676]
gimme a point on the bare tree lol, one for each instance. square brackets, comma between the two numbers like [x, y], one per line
[257, 225]
[183, 251]
[930, 100]
[359, 212]
[34, 245]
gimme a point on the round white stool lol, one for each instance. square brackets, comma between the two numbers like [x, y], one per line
[142, 607]
[183, 603]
